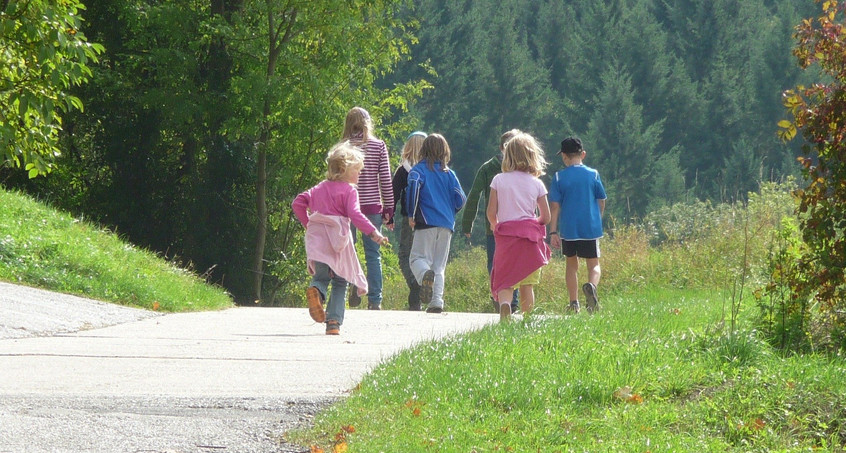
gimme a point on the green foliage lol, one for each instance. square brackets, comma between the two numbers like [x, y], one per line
[624, 148]
[692, 84]
[49, 249]
[818, 111]
[168, 148]
[297, 74]
[786, 317]
[44, 55]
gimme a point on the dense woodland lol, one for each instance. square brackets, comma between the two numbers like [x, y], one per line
[203, 119]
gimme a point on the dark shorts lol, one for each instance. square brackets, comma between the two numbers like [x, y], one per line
[582, 249]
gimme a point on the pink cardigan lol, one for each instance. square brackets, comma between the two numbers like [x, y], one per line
[329, 241]
[520, 250]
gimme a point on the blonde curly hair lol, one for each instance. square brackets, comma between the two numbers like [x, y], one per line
[341, 158]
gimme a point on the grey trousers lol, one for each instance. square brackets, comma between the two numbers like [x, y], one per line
[429, 251]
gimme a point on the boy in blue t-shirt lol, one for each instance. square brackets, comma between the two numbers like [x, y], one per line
[577, 201]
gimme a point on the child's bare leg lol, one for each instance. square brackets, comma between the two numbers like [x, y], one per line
[593, 270]
[504, 299]
[572, 271]
[527, 298]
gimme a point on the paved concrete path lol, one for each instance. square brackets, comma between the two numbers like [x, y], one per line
[144, 384]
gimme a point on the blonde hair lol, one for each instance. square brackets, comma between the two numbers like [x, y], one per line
[504, 138]
[524, 153]
[341, 158]
[411, 149]
[435, 149]
[357, 122]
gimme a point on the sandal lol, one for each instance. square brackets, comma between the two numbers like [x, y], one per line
[333, 327]
[315, 304]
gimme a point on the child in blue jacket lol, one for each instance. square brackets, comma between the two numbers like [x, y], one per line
[433, 197]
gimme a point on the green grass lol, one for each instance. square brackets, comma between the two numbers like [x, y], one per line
[658, 369]
[653, 371]
[44, 248]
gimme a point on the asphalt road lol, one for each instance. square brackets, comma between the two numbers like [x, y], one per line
[78, 375]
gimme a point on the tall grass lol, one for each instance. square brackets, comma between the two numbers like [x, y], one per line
[42, 247]
[694, 246]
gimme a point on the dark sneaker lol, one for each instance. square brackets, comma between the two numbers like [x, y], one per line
[515, 308]
[414, 297]
[426, 289]
[591, 301]
[435, 310]
[315, 304]
[354, 299]
[574, 307]
[374, 307]
[333, 327]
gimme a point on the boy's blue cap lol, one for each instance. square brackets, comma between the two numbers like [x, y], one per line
[420, 133]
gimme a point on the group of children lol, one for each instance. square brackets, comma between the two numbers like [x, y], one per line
[360, 194]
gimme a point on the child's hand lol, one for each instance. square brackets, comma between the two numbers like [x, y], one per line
[555, 241]
[378, 238]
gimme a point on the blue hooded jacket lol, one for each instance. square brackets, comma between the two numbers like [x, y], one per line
[433, 196]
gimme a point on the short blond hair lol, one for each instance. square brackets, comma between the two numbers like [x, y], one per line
[524, 153]
[358, 121]
[341, 158]
[411, 149]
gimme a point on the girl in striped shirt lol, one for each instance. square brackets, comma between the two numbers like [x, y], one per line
[375, 196]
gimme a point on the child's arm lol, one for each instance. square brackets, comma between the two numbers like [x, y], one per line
[458, 196]
[399, 182]
[472, 203]
[493, 207]
[378, 238]
[385, 184]
[412, 194]
[601, 206]
[554, 238]
[300, 207]
[543, 207]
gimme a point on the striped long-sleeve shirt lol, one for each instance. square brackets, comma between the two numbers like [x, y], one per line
[375, 191]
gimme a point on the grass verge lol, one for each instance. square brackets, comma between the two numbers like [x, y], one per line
[44, 248]
[653, 371]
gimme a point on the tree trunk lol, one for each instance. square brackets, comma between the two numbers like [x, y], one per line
[261, 215]
[276, 40]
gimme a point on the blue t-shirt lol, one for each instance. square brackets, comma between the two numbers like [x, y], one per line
[576, 189]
